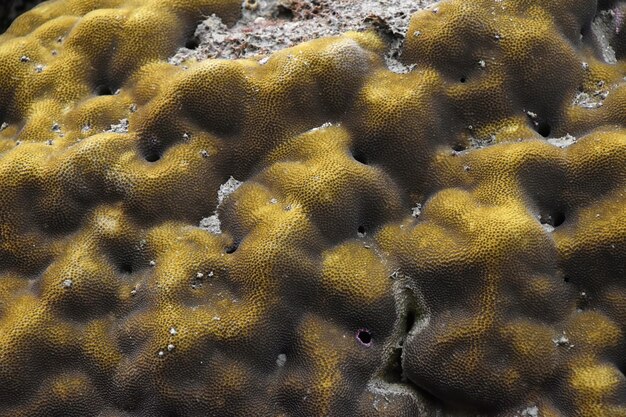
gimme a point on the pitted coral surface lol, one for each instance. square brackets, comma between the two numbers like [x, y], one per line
[309, 233]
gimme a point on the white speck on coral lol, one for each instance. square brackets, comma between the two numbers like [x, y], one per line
[323, 126]
[227, 189]
[121, 127]
[417, 210]
[563, 142]
[67, 283]
[212, 223]
[531, 114]
[281, 360]
[530, 412]
[563, 341]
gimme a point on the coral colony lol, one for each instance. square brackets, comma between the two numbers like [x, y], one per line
[400, 221]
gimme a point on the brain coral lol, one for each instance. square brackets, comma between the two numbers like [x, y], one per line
[310, 233]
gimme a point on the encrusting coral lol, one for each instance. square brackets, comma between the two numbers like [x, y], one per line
[310, 233]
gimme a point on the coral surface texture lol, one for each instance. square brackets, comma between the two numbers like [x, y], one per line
[415, 218]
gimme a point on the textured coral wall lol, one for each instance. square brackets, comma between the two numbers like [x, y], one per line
[310, 233]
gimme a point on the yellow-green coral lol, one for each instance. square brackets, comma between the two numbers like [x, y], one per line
[447, 241]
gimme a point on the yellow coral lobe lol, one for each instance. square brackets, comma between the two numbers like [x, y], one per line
[352, 275]
[595, 380]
